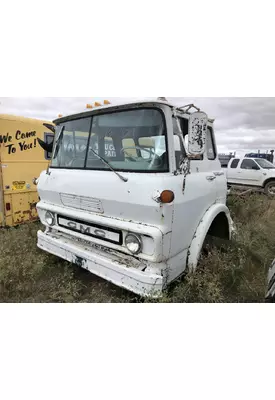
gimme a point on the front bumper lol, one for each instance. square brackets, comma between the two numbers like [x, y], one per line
[120, 269]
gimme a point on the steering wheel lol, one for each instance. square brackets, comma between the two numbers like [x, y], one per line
[142, 149]
[132, 158]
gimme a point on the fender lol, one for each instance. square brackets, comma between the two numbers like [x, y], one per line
[202, 230]
[270, 179]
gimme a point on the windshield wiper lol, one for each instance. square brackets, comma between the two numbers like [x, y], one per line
[58, 138]
[108, 165]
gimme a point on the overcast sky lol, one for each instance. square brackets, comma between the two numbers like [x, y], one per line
[242, 124]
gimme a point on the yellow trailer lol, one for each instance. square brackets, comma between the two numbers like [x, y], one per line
[21, 159]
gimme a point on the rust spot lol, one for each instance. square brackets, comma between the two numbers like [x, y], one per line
[27, 212]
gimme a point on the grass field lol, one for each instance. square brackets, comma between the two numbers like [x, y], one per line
[237, 274]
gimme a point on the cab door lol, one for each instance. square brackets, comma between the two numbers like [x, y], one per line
[232, 171]
[249, 173]
[195, 193]
[216, 173]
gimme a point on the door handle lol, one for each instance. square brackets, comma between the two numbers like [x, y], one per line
[211, 178]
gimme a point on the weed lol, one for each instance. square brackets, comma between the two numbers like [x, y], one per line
[235, 275]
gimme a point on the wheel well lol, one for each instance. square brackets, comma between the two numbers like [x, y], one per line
[268, 181]
[220, 227]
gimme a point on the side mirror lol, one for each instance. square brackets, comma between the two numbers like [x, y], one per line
[46, 146]
[50, 127]
[197, 133]
[256, 168]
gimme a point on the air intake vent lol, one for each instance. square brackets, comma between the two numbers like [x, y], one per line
[81, 203]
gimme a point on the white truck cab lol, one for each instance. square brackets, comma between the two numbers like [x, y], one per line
[132, 191]
[252, 172]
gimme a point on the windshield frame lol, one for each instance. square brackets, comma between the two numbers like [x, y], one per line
[116, 111]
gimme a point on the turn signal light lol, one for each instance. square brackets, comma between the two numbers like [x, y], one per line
[89, 106]
[106, 102]
[97, 104]
[167, 197]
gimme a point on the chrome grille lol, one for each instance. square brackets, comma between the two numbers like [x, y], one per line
[89, 229]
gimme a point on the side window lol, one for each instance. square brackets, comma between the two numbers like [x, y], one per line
[235, 163]
[178, 132]
[48, 138]
[249, 164]
[210, 145]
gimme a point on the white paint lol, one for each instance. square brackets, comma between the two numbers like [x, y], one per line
[121, 272]
[249, 177]
[171, 234]
[204, 226]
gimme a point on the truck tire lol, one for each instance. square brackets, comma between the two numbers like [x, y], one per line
[269, 189]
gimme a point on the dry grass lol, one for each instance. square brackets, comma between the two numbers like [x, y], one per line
[238, 274]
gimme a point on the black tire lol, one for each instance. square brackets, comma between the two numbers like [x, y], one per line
[269, 189]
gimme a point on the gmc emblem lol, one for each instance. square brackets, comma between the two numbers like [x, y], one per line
[86, 230]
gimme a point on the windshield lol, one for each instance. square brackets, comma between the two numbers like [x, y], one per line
[133, 141]
[264, 163]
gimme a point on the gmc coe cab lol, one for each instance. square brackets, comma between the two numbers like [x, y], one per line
[132, 193]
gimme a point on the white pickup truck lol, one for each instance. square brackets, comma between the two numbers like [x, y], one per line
[253, 173]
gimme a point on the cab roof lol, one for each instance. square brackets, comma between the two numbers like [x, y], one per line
[121, 105]
[33, 121]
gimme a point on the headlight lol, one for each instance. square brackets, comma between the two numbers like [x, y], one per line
[133, 243]
[49, 218]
